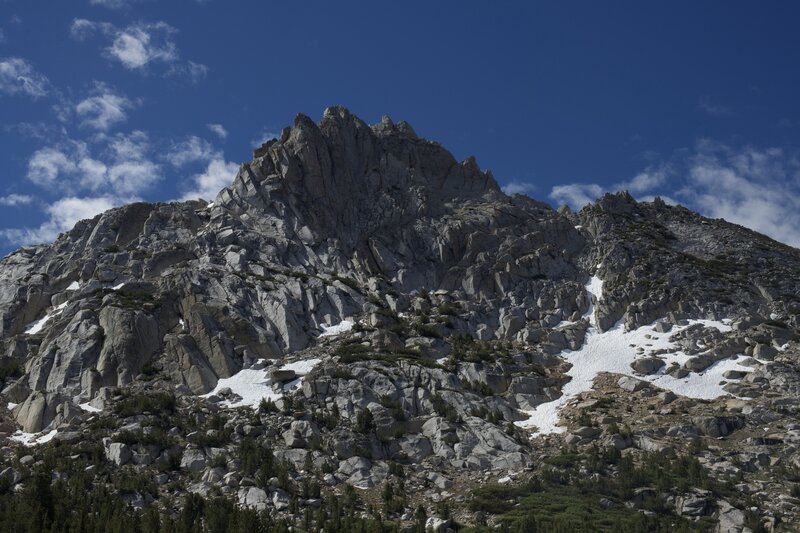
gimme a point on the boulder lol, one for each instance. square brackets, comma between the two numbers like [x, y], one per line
[193, 460]
[662, 326]
[632, 384]
[282, 376]
[117, 452]
[647, 365]
[694, 504]
[254, 498]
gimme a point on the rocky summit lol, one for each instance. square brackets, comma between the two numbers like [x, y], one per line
[362, 333]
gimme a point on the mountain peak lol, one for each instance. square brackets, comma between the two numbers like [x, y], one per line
[344, 173]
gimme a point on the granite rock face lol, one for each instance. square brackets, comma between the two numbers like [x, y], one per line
[464, 301]
[327, 215]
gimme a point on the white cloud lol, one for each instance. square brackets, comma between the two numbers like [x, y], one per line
[191, 150]
[757, 188]
[218, 130]
[33, 130]
[19, 76]
[712, 109]
[104, 109]
[264, 136]
[62, 216]
[123, 167]
[196, 71]
[645, 181]
[576, 195]
[218, 175]
[82, 29]
[113, 4]
[518, 187]
[46, 164]
[140, 45]
[13, 200]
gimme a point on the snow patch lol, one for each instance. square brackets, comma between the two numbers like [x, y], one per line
[36, 327]
[342, 327]
[251, 385]
[74, 286]
[33, 439]
[89, 408]
[11, 406]
[254, 385]
[301, 368]
[614, 350]
[118, 287]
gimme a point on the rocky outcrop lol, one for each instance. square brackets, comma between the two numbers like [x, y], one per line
[438, 310]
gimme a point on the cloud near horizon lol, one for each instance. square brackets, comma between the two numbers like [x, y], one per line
[87, 178]
[758, 188]
[62, 215]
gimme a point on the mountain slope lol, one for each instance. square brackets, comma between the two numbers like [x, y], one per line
[466, 305]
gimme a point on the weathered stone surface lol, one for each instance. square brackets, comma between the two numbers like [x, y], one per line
[117, 452]
[254, 498]
[632, 384]
[193, 460]
[647, 365]
[464, 301]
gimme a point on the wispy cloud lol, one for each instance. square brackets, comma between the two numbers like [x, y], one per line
[62, 215]
[713, 109]
[218, 172]
[123, 166]
[104, 109]
[755, 187]
[207, 184]
[89, 178]
[17, 76]
[576, 195]
[140, 45]
[218, 130]
[263, 136]
[518, 187]
[114, 4]
[645, 181]
[33, 130]
[193, 149]
[14, 200]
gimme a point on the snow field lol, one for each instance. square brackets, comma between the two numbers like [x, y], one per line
[342, 327]
[613, 351]
[36, 327]
[32, 439]
[255, 385]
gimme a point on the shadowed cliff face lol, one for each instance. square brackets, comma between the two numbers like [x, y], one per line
[324, 222]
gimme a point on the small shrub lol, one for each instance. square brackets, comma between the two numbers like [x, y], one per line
[154, 403]
[364, 421]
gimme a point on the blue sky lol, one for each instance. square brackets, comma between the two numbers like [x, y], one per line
[108, 101]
